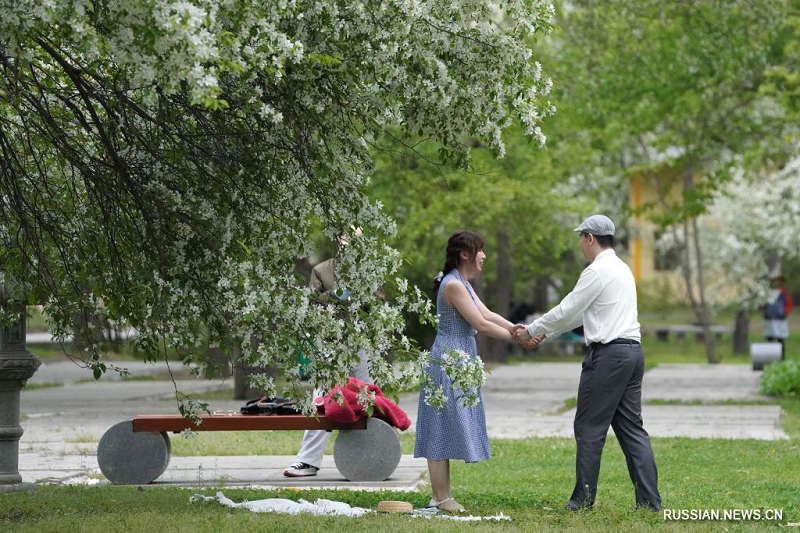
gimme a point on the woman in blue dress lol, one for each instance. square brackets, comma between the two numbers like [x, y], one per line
[456, 432]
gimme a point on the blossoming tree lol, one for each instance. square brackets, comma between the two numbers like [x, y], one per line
[162, 162]
[744, 235]
[673, 90]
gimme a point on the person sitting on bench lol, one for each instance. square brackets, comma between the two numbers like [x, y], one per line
[309, 458]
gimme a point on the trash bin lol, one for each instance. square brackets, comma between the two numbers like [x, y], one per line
[763, 353]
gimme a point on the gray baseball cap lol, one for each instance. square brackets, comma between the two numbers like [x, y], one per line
[596, 225]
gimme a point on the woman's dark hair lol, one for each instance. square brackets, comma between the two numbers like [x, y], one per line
[460, 241]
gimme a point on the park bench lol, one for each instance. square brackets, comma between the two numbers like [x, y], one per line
[681, 330]
[568, 344]
[136, 452]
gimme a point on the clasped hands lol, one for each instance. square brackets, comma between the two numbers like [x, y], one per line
[521, 335]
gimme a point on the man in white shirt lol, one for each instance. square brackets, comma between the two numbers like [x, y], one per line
[610, 390]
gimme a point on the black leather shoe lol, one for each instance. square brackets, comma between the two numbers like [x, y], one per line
[576, 508]
[648, 508]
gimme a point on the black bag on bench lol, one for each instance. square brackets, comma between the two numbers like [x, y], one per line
[271, 406]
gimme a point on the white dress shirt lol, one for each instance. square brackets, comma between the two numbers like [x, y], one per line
[604, 301]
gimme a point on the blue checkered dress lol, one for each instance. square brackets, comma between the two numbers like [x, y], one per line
[455, 432]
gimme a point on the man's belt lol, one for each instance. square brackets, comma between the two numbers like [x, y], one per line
[615, 341]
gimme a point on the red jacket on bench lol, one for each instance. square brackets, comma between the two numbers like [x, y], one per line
[351, 411]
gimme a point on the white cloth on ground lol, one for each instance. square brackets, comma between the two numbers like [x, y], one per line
[428, 512]
[324, 507]
[283, 506]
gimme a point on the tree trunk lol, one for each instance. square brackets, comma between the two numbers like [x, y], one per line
[219, 364]
[241, 389]
[541, 301]
[703, 314]
[699, 306]
[499, 349]
[774, 263]
[741, 333]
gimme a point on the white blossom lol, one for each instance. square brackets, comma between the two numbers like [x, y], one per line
[311, 85]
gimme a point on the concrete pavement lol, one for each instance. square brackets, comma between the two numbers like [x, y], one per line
[214, 471]
[520, 401]
[705, 383]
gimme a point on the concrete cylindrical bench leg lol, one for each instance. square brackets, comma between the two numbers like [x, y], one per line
[368, 455]
[128, 458]
[169, 452]
[763, 353]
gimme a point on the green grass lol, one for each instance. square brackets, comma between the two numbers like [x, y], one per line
[225, 393]
[791, 417]
[46, 385]
[569, 403]
[760, 401]
[528, 480]
[158, 376]
[36, 321]
[54, 352]
[253, 443]
[82, 439]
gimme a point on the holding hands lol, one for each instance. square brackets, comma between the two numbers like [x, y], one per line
[520, 333]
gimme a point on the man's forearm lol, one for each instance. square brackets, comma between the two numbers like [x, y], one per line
[556, 321]
[568, 314]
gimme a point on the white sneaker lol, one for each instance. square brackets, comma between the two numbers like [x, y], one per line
[300, 469]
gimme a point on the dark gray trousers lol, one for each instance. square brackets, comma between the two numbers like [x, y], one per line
[610, 393]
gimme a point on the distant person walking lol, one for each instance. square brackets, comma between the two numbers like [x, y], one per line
[776, 327]
[610, 390]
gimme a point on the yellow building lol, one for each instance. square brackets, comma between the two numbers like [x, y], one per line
[652, 268]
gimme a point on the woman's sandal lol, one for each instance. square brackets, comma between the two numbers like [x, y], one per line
[433, 504]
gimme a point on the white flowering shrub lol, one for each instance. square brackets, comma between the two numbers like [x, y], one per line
[465, 372]
[758, 215]
[163, 163]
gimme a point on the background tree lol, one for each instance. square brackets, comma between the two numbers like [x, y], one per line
[745, 235]
[520, 204]
[164, 162]
[669, 91]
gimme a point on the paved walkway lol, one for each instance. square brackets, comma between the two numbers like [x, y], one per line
[68, 372]
[521, 399]
[214, 471]
[707, 383]
[63, 424]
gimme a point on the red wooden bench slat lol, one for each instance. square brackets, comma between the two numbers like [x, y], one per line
[239, 422]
